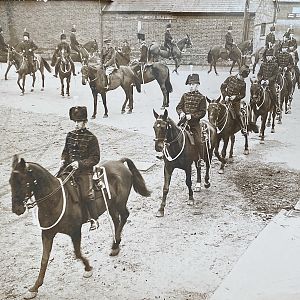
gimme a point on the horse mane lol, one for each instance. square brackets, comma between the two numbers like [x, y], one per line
[41, 170]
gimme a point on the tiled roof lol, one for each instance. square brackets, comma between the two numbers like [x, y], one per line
[185, 6]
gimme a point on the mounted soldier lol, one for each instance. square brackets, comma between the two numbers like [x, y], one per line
[286, 35]
[192, 107]
[270, 38]
[293, 50]
[108, 59]
[229, 44]
[233, 90]
[268, 73]
[63, 45]
[27, 47]
[126, 50]
[144, 53]
[169, 42]
[73, 41]
[82, 153]
[3, 45]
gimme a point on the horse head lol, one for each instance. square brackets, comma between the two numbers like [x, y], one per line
[255, 90]
[160, 129]
[213, 110]
[63, 56]
[189, 43]
[22, 184]
[85, 74]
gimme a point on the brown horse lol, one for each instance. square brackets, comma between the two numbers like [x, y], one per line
[86, 51]
[155, 71]
[64, 71]
[124, 77]
[179, 152]
[59, 212]
[23, 69]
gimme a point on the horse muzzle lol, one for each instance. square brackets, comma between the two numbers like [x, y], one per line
[83, 81]
[18, 209]
[159, 146]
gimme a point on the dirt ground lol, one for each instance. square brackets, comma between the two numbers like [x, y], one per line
[184, 255]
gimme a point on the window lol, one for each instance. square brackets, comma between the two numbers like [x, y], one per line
[263, 29]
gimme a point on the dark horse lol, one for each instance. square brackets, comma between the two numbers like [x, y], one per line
[155, 71]
[58, 212]
[23, 69]
[217, 52]
[123, 77]
[8, 58]
[261, 105]
[180, 153]
[155, 51]
[221, 115]
[64, 72]
[86, 51]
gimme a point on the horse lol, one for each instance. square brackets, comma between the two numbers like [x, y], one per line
[91, 47]
[60, 212]
[262, 105]
[23, 69]
[155, 50]
[155, 71]
[179, 152]
[64, 71]
[259, 53]
[121, 59]
[9, 60]
[84, 54]
[222, 117]
[217, 52]
[124, 77]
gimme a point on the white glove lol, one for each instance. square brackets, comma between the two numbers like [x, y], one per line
[30, 50]
[233, 97]
[188, 117]
[62, 162]
[285, 68]
[75, 165]
[267, 81]
[182, 115]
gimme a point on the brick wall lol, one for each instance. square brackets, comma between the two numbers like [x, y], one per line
[45, 21]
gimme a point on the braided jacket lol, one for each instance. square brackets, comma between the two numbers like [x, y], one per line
[234, 86]
[27, 47]
[193, 103]
[268, 71]
[270, 38]
[82, 146]
[285, 59]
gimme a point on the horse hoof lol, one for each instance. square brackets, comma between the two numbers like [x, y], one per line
[93, 117]
[104, 116]
[230, 160]
[221, 171]
[272, 130]
[114, 252]
[42, 89]
[160, 214]
[279, 122]
[88, 274]
[22, 94]
[262, 142]
[30, 295]
[246, 152]
[129, 112]
[190, 202]
[162, 108]
[207, 185]
[31, 90]
[197, 188]
[123, 111]
[268, 124]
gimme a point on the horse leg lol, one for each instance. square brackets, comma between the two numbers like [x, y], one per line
[129, 99]
[18, 82]
[273, 120]
[232, 141]
[43, 81]
[8, 68]
[47, 246]
[124, 214]
[232, 65]
[188, 182]
[165, 96]
[23, 83]
[167, 179]
[210, 68]
[33, 81]
[246, 148]
[215, 67]
[68, 85]
[262, 128]
[62, 92]
[223, 154]
[197, 187]
[103, 96]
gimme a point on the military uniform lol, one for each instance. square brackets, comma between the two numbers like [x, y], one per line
[126, 50]
[236, 86]
[229, 40]
[270, 38]
[269, 70]
[144, 53]
[193, 103]
[108, 57]
[82, 146]
[73, 40]
[3, 45]
[27, 47]
[168, 42]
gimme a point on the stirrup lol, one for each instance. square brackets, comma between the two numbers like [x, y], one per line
[94, 224]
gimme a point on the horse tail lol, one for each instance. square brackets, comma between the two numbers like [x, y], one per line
[168, 84]
[209, 57]
[138, 181]
[47, 66]
[137, 83]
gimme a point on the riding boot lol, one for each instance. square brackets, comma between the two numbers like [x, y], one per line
[73, 67]
[91, 206]
[56, 70]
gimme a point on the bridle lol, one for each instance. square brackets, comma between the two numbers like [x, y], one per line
[224, 118]
[86, 75]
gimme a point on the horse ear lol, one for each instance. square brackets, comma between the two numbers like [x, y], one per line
[218, 100]
[22, 163]
[155, 114]
[15, 161]
[165, 114]
[208, 100]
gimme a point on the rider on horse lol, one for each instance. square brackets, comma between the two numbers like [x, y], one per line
[268, 73]
[82, 152]
[3, 45]
[286, 63]
[27, 46]
[233, 89]
[126, 50]
[292, 42]
[229, 40]
[144, 53]
[270, 38]
[62, 45]
[192, 107]
[108, 56]
[169, 42]
[73, 41]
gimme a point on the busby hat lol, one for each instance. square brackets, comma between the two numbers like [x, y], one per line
[244, 71]
[63, 35]
[78, 113]
[230, 27]
[141, 36]
[26, 33]
[272, 28]
[107, 41]
[73, 28]
[192, 79]
[168, 25]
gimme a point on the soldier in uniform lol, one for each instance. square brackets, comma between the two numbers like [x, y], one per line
[108, 56]
[192, 107]
[270, 38]
[62, 45]
[293, 49]
[268, 73]
[27, 47]
[3, 45]
[286, 35]
[286, 63]
[73, 41]
[233, 89]
[125, 49]
[229, 40]
[169, 42]
[144, 53]
[82, 152]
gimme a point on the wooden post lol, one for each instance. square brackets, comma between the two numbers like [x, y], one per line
[246, 21]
